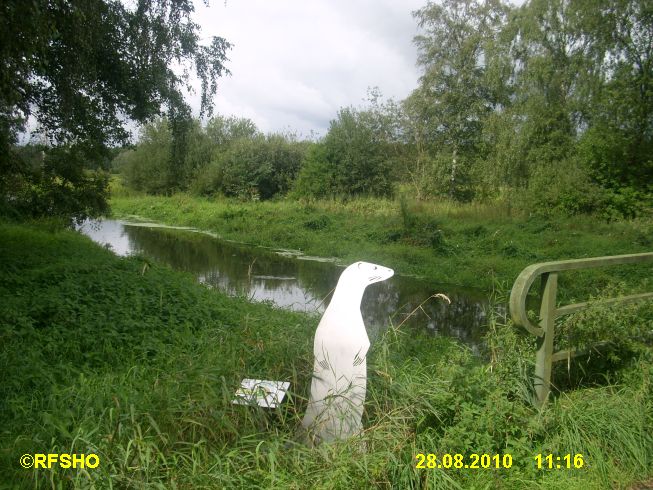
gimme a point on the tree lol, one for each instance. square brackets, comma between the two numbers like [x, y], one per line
[556, 64]
[82, 68]
[619, 142]
[353, 158]
[454, 97]
[224, 130]
[145, 167]
[581, 108]
[259, 167]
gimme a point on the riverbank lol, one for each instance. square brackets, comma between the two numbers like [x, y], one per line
[482, 246]
[138, 364]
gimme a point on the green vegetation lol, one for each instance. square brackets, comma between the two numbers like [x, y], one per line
[248, 164]
[468, 244]
[529, 138]
[532, 104]
[538, 98]
[80, 69]
[354, 158]
[547, 104]
[138, 364]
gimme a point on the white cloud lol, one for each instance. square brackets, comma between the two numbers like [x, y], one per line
[295, 63]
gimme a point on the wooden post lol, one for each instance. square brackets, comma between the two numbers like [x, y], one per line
[543, 360]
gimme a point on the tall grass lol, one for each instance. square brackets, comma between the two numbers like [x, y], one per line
[472, 244]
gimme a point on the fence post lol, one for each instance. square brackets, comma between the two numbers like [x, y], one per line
[543, 360]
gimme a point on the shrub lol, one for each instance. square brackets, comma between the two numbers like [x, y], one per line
[165, 161]
[259, 167]
[207, 180]
[565, 189]
[147, 167]
[315, 179]
[419, 228]
[352, 160]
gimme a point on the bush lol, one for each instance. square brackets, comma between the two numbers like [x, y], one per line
[419, 228]
[627, 326]
[566, 189]
[352, 160]
[260, 167]
[315, 179]
[207, 180]
[626, 202]
[222, 131]
[199, 152]
[441, 184]
[147, 167]
[569, 189]
[165, 161]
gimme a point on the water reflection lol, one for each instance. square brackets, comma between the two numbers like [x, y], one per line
[302, 285]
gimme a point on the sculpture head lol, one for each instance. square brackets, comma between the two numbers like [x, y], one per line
[364, 273]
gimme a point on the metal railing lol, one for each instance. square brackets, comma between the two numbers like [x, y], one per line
[548, 271]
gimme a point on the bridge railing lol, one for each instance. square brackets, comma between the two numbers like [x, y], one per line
[545, 330]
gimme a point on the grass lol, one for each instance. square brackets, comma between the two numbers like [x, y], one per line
[471, 245]
[138, 365]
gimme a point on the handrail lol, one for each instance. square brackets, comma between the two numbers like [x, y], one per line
[548, 271]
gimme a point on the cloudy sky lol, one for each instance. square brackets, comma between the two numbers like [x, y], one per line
[294, 63]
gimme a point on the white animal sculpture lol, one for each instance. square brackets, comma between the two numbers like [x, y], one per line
[335, 405]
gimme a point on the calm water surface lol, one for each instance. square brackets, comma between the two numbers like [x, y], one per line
[292, 281]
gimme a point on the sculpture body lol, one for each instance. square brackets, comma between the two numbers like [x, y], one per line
[335, 406]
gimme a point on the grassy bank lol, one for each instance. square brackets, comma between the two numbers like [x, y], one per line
[137, 364]
[471, 245]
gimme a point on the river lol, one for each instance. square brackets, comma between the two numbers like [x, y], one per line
[291, 280]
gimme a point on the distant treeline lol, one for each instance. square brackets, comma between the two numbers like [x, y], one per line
[227, 156]
[549, 105]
